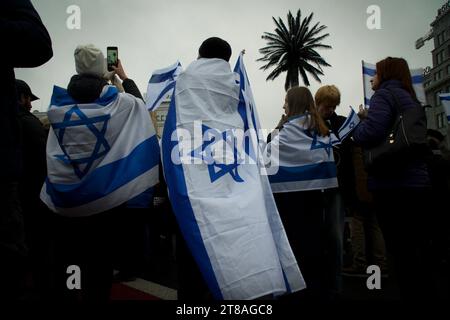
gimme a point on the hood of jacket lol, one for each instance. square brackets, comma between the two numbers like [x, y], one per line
[85, 88]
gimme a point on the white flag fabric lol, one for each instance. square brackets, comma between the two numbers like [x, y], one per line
[161, 84]
[236, 238]
[100, 154]
[303, 160]
[369, 71]
[445, 99]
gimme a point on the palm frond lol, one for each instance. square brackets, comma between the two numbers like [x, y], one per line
[291, 48]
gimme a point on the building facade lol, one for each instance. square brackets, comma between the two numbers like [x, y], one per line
[437, 78]
[159, 117]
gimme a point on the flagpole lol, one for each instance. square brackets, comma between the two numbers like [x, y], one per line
[364, 84]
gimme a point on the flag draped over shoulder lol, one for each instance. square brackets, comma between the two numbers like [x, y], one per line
[445, 99]
[100, 154]
[369, 71]
[161, 84]
[226, 213]
[301, 159]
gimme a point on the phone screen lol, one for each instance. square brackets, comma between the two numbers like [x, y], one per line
[112, 57]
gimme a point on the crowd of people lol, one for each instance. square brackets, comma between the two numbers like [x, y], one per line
[393, 212]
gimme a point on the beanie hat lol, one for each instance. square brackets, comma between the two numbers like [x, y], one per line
[215, 48]
[89, 60]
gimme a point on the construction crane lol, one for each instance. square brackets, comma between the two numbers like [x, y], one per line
[421, 41]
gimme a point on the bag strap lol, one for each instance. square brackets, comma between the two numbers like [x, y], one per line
[396, 102]
[398, 117]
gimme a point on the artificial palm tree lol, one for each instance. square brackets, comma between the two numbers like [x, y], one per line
[292, 49]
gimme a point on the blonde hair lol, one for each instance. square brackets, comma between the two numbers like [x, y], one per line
[328, 95]
[300, 101]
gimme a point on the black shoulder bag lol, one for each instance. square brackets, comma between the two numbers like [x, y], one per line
[405, 141]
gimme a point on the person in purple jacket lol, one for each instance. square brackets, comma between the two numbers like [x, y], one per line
[401, 197]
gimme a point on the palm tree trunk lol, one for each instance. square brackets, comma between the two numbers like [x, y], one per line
[291, 78]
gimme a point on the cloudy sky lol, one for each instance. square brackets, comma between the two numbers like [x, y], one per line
[154, 34]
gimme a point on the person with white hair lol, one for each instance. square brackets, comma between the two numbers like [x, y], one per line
[102, 152]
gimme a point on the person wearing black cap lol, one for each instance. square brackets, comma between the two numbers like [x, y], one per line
[24, 94]
[37, 218]
[28, 46]
[34, 139]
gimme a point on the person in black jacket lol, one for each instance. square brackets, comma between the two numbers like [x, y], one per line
[37, 217]
[28, 45]
[327, 98]
[34, 144]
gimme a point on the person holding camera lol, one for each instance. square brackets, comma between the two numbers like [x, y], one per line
[110, 158]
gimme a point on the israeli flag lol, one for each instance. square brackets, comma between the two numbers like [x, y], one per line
[304, 160]
[226, 213]
[100, 154]
[161, 84]
[248, 110]
[369, 71]
[349, 125]
[445, 99]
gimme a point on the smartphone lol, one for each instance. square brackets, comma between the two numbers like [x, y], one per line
[112, 57]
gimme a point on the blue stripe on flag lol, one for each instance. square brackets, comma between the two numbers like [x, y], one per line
[417, 79]
[241, 106]
[108, 97]
[99, 184]
[286, 282]
[60, 97]
[171, 86]
[447, 98]
[324, 170]
[369, 72]
[158, 78]
[182, 206]
[347, 121]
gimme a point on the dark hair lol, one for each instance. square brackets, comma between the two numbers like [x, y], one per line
[299, 101]
[396, 69]
[215, 48]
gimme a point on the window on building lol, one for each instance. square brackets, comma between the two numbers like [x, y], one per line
[440, 57]
[438, 75]
[440, 38]
[440, 118]
[437, 99]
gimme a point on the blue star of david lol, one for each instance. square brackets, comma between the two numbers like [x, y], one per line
[316, 144]
[204, 152]
[352, 125]
[89, 123]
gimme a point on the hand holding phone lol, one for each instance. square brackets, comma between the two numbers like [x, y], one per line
[112, 57]
[120, 72]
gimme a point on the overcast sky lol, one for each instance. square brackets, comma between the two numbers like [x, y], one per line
[154, 34]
